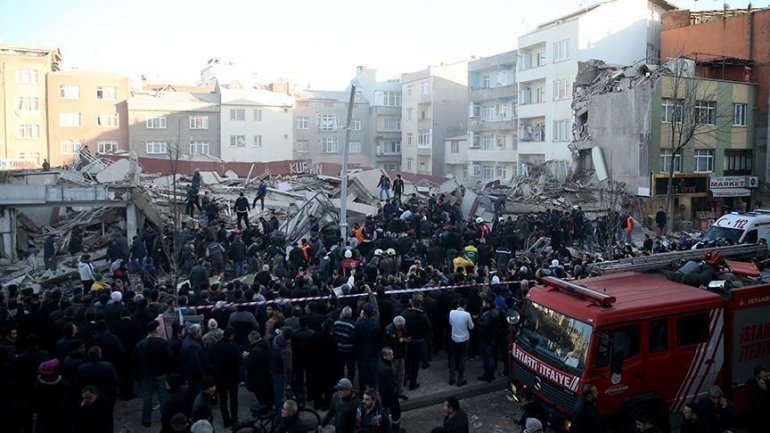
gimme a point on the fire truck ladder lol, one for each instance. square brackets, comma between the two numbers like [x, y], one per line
[664, 260]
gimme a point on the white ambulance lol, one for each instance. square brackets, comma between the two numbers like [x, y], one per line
[740, 228]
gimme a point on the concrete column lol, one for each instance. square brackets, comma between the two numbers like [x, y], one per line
[132, 222]
[8, 233]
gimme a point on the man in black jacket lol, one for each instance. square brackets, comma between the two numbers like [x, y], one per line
[456, 420]
[418, 332]
[242, 209]
[151, 358]
[258, 378]
[177, 401]
[226, 360]
[98, 373]
[586, 417]
[386, 385]
[343, 408]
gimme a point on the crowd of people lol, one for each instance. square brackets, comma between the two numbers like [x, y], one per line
[343, 324]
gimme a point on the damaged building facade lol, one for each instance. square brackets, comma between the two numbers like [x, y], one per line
[631, 121]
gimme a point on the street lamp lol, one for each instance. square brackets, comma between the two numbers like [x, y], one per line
[344, 174]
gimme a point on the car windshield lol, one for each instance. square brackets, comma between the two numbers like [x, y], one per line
[715, 233]
[553, 335]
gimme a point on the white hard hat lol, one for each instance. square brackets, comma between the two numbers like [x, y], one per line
[391, 252]
[348, 254]
[378, 252]
[479, 220]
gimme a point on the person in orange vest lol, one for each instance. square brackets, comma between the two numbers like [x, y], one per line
[305, 247]
[358, 232]
[628, 227]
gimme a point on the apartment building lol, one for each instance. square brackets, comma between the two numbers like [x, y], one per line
[166, 123]
[320, 118]
[86, 108]
[23, 116]
[434, 106]
[256, 124]
[620, 32]
[727, 44]
[492, 135]
[382, 143]
[456, 151]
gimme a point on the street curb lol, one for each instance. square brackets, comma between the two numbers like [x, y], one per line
[461, 392]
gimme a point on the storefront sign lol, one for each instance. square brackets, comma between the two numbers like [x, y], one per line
[727, 182]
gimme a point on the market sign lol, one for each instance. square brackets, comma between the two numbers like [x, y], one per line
[727, 182]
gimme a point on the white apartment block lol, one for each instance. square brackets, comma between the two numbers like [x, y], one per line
[492, 142]
[257, 124]
[618, 32]
[456, 158]
[434, 105]
[382, 141]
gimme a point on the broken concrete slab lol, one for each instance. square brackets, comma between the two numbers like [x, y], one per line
[210, 178]
[115, 172]
[360, 208]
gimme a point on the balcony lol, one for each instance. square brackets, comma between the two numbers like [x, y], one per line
[492, 125]
[503, 92]
[527, 111]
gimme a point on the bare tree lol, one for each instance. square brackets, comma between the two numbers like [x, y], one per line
[690, 115]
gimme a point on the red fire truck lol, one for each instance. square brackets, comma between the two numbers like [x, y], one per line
[646, 342]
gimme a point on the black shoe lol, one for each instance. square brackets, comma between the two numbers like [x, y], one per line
[403, 397]
[413, 387]
[146, 423]
[451, 380]
[462, 382]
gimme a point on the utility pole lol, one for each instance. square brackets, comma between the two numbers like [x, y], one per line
[344, 174]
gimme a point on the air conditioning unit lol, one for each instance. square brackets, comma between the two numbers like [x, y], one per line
[752, 181]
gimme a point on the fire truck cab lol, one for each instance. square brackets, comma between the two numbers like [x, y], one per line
[646, 342]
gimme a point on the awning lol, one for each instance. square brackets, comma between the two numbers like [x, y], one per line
[731, 192]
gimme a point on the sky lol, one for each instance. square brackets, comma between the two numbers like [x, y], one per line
[311, 43]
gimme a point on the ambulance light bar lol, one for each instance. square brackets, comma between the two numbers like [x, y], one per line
[572, 288]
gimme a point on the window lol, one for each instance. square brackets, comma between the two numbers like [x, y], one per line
[489, 112]
[237, 141]
[391, 148]
[391, 167]
[617, 345]
[502, 78]
[302, 122]
[739, 114]
[665, 161]
[355, 124]
[486, 171]
[501, 173]
[737, 162]
[107, 120]
[476, 143]
[561, 50]
[70, 147]
[476, 170]
[423, 138]
[329, 145]
[704, 160]
[199, 148]
[409, 164]
[327, 122]
[28, 103]
[423, 114]
[539, 94]
[486, 142]
[455, 147]
[69, 119]
[561, 130]
[541, 58]
[671, 110]
[424, 88]
[658, 336]
[238, 114]
[409, 113]
[302, 146]
[354, 147]
[199, 122]
[157, 147]
[409, 89]
[392, 124]
[502, 111]
[26, 76]
[562, 89]
[257, 115]
[28, 132]
[156, 122]
[476, 110]
[67, 91]
[706, 112]
[107, 146]
[485, 82]
[500, 140]
[692, 329]
[391, 99]
[409, 139]
[107, 93]
[258, 141]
